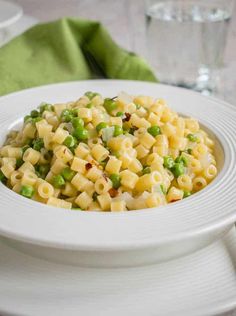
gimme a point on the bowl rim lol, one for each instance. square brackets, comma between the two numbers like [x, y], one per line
[39, 234]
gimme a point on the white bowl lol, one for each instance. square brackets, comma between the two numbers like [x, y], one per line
[129, 238]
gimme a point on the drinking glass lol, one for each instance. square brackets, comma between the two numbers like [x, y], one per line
[186, 40]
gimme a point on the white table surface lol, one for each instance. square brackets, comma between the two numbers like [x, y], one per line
[128, 32]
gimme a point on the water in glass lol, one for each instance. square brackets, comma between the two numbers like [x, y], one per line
[186, 41]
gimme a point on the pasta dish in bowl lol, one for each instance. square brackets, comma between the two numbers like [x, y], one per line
[107, 154]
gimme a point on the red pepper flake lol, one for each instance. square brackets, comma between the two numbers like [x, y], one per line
[172, 201]
[127, 117]
[88, 166]
[113, 192]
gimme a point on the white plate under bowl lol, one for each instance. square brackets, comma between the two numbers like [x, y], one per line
[135, 237]
[9, 13]
[201, 284]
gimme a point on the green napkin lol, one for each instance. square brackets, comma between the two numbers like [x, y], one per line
[65, 50]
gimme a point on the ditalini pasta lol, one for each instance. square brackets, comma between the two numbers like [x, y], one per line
[113, 154]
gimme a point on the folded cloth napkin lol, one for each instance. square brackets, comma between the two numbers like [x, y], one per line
[65, 50]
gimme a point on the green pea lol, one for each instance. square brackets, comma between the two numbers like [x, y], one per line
[66, 115]
[115, 179]
[45, 107]
[65, 112]
[74, 112]
[186, 194]
[91, 94]
[117, 130]
[27, 119]
[168, 162]
[68, 118]
[146, 170]
[58, 181]
[2, 177]
[77, 121]
[42, 170]
[38, 144]
[68, 174]
[19, 162]
[182, 159]
[154, 130]
[192, 138]
[36, 119]
[27, 191]
[177, 169]
[119, 114]
[34, 113]
[70, 141]
[109, 105]
[80, 133]
[100, 126]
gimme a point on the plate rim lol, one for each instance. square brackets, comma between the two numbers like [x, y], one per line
[224, 306]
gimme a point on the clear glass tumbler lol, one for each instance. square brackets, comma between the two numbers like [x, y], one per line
[186, 40]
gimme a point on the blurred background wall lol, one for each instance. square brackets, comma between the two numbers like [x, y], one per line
[125, 20]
